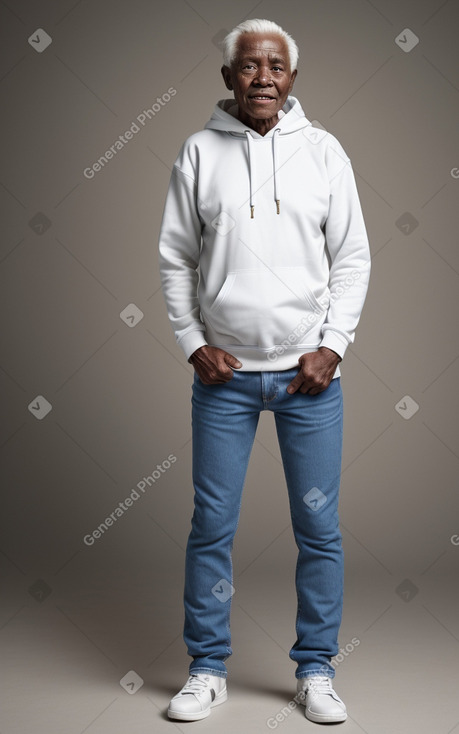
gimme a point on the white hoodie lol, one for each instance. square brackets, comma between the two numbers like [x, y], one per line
[263, 246]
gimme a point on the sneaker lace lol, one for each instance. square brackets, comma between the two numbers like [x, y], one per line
[321, 685]
[195, 684]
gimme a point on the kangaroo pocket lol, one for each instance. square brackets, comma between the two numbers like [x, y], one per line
[264, 308]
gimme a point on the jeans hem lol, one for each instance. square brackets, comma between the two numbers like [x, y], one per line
[320, 671]
[211, 671]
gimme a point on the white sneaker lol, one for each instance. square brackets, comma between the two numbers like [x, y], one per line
[200, 693]
[323, 705]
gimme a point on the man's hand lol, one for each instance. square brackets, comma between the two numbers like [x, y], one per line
[316, 371]
[213, 365]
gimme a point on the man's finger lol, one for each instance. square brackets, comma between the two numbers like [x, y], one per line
[295, 383]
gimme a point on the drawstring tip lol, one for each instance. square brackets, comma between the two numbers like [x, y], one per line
[251, 211]
[278, 205]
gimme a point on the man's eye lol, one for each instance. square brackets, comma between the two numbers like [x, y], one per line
[277, 68]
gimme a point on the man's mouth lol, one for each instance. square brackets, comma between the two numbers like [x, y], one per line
[261, 97]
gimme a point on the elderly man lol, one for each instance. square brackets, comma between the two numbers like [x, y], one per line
[264, 263]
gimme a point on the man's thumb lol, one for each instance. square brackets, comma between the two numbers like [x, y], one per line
[232, 361]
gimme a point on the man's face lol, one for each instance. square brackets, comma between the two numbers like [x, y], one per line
[260, 75]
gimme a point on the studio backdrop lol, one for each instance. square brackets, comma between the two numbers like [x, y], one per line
[97, 98]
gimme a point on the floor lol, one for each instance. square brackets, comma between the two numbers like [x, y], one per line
[62, 659]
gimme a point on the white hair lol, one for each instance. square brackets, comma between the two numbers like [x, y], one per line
[257, 25]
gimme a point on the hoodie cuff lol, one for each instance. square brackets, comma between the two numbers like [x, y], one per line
[335, 342]
[192, 341]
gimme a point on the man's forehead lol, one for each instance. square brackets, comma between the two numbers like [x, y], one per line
[259, 44]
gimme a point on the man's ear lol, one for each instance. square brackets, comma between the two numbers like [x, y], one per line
[292, 79]
[226, 74]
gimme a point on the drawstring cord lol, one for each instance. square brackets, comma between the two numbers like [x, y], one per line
[249, 153]
[251, 182]
[276, 185]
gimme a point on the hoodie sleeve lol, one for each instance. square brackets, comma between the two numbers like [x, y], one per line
[348, 248]
[179, 248]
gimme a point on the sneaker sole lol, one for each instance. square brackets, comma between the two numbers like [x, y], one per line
[324, 719]
[220, 698]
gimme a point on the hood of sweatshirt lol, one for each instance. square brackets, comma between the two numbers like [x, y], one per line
[291, 120]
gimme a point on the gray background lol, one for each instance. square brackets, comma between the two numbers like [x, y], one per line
[75, 619]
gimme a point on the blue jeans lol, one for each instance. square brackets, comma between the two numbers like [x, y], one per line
[309, 431]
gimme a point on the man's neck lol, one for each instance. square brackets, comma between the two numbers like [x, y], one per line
[260, 126]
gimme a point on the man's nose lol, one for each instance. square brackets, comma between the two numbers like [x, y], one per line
[263, 77]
